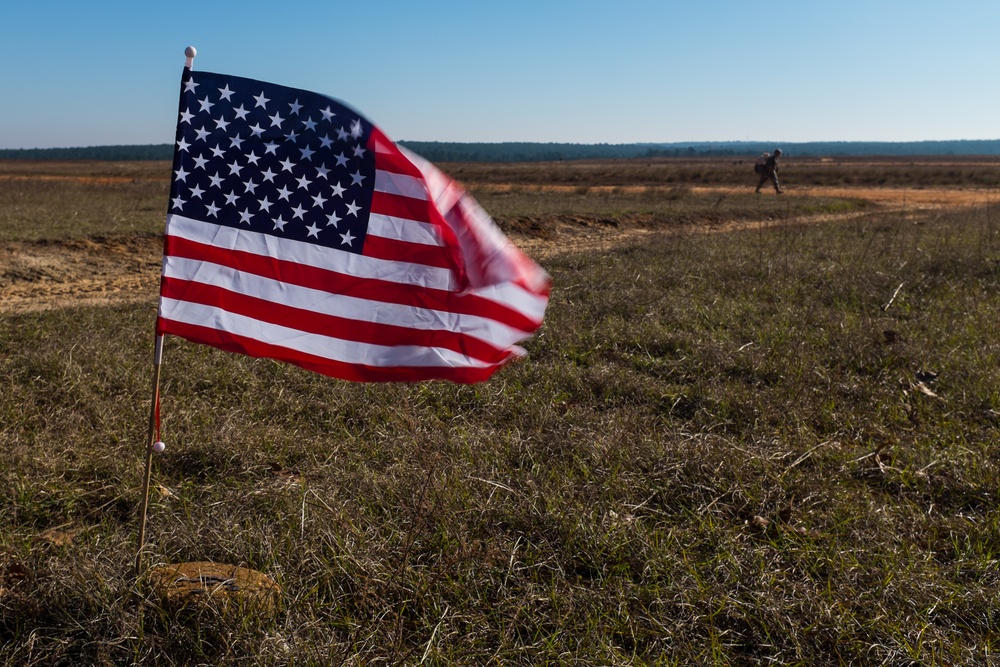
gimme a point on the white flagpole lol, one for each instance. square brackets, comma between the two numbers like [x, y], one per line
[150, 448]
[152, 445]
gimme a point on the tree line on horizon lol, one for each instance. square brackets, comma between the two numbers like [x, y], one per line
[439, 151]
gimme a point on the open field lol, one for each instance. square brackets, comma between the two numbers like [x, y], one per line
[753, 430]
[75, 233]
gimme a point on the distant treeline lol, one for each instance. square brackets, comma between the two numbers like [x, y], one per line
[438, 151]
[109, 153]
[535, 152]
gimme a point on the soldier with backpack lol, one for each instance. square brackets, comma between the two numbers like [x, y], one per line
[767, 168]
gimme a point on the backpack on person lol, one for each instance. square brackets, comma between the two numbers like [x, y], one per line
[758, 166]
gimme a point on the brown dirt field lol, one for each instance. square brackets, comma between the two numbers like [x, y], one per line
[48, 275]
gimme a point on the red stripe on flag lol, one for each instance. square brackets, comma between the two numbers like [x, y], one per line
[408, 208]
[394, 250]
[388, 156]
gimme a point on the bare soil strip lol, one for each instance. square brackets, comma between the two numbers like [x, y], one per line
[50, 275]
[570, 238]
[45, 276]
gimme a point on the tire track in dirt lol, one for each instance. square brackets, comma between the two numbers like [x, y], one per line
[38, 276]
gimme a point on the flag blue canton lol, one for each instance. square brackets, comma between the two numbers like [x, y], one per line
[271, 159]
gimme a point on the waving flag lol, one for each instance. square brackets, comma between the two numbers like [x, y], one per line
[297, 230]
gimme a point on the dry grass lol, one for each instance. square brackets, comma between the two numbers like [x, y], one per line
[49, 201]
[773, 446]
[665, 172]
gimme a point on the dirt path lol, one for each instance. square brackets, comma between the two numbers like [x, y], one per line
[49, 275]
[44, 276]
[570, 238]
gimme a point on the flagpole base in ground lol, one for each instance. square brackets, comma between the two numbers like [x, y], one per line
[227, 588]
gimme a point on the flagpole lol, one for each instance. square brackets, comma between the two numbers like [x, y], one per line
[150, 448]
[152, 440]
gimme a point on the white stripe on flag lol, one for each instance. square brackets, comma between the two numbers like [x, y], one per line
[400, 184]
[401, 229]
[516, 297]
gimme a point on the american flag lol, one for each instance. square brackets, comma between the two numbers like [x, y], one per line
[296, 230]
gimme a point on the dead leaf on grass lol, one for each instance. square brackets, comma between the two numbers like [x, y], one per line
[780, 524]
[909, 385]
[60, 538]
[804, 532]
[290, 475]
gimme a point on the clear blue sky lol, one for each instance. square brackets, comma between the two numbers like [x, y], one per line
[582, 71]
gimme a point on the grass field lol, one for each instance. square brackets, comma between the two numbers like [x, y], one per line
[773, 445]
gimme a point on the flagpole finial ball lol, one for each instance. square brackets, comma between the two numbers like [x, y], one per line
[159, 446]
[190, 52]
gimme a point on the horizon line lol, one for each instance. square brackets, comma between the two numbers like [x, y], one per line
[708, 142]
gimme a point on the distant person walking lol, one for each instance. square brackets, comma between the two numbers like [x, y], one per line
[767, 167]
